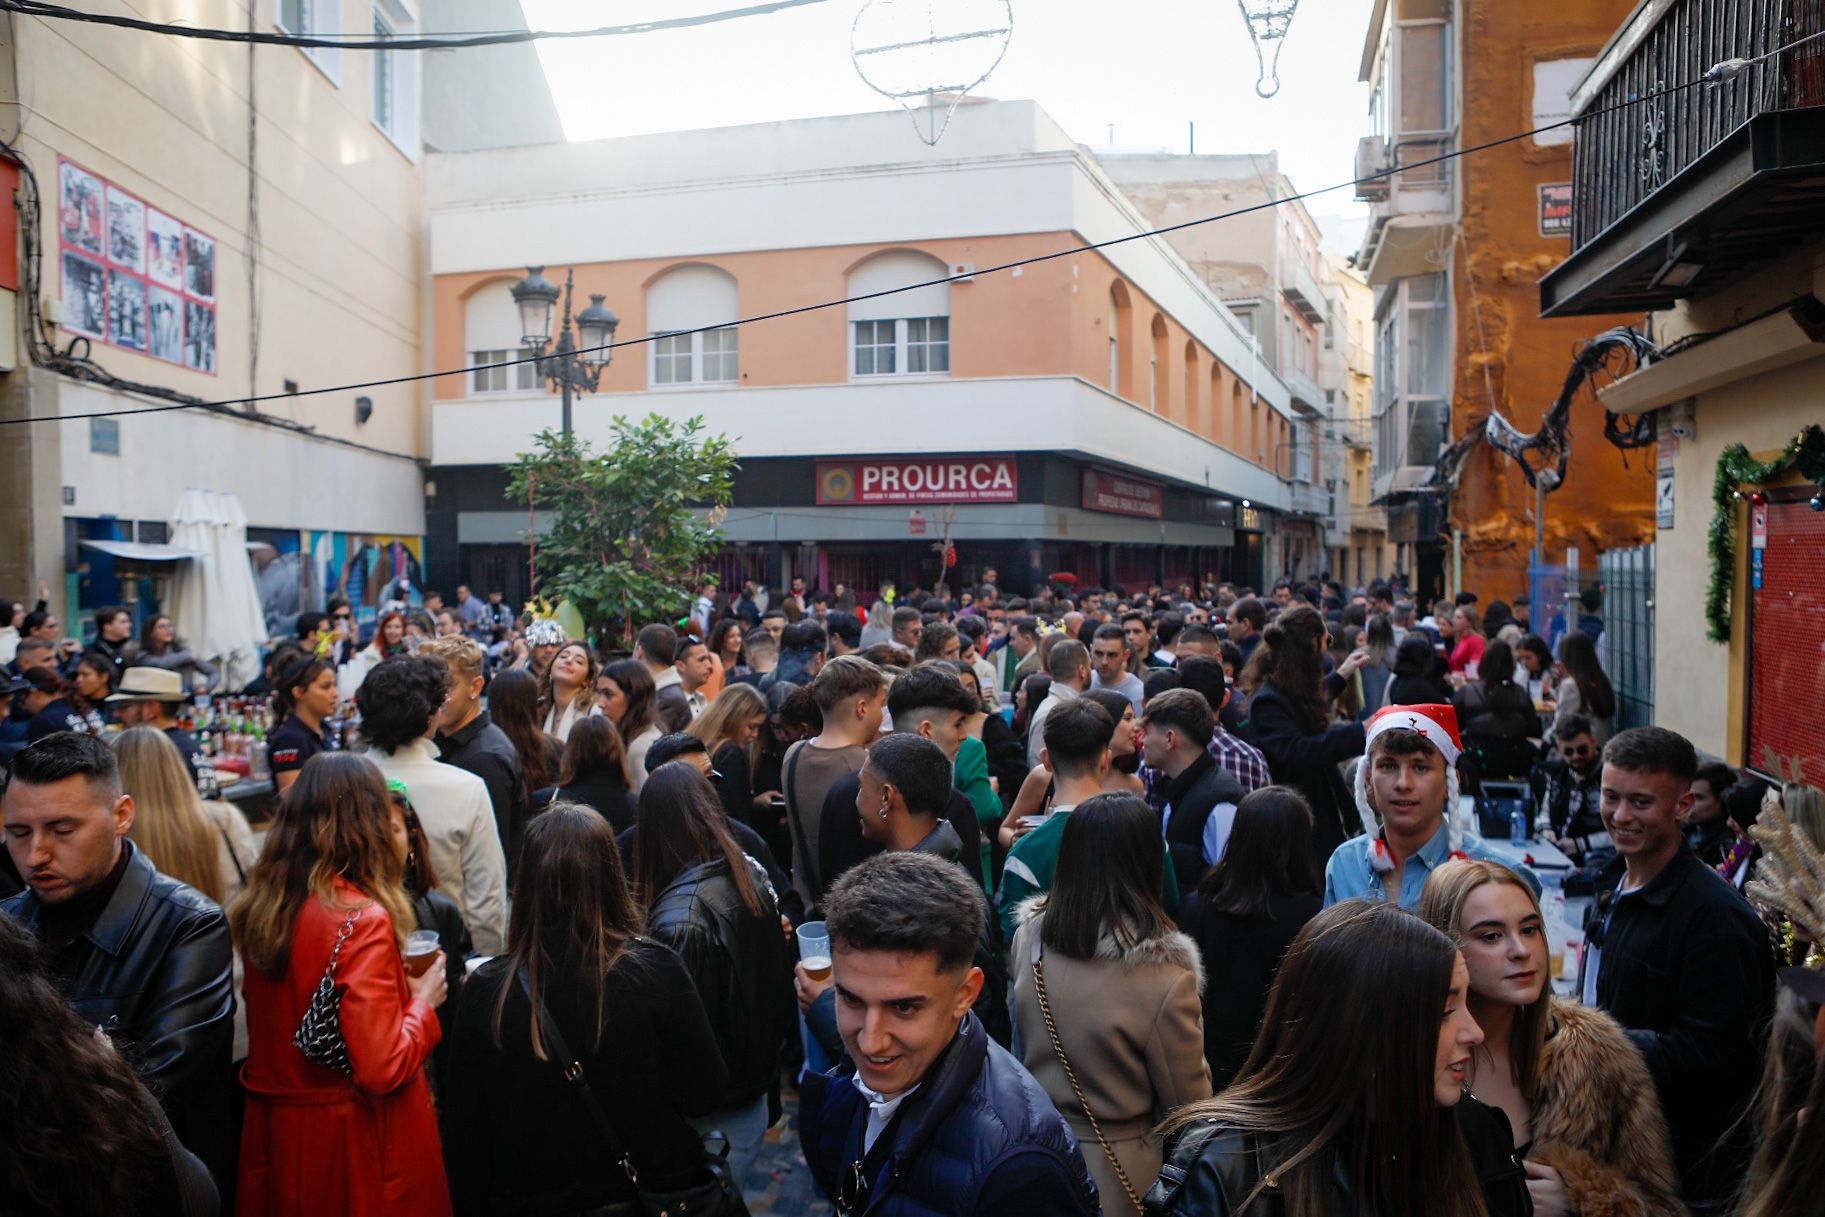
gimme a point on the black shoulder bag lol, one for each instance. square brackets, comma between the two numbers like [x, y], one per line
[717, 1196]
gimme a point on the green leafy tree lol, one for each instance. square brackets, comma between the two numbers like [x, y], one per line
[619, 537]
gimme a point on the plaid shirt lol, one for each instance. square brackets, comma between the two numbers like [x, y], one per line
[1241, 758]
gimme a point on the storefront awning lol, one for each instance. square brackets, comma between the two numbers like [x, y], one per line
[143, 551]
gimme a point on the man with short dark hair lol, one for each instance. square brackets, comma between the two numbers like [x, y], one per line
[1247, 618]
[851, 695]
[1199, 796]
[928, 1114]
[1109, 665]
[656, 646]
[399, 703]
[695, 667]
[774, 622]
[1197, 640]
[138, 955]
[1677, 957]
[907, 624]
[471, 614]
[1137, 628]
[1569, 785]
[1241, 759]
[1018, 658]
[467, 738]
[1069, 666]
[113, 630]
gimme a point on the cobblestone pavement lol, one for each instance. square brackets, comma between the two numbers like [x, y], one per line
[788, 1190]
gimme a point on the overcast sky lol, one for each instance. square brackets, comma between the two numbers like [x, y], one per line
[1142, 68]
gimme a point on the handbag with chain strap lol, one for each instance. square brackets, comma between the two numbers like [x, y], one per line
[1058, 1046]
[319, 1034]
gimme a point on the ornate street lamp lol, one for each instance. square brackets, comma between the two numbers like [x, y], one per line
[567, 368]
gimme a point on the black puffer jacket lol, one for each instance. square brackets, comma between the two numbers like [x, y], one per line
[742, 967]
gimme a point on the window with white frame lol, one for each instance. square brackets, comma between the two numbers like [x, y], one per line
[682, 306]
[313, 18]
[395, 77]
[905, 333]
[491, 328]
[1413, 373]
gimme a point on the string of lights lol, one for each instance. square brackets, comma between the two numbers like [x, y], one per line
[1718, 75]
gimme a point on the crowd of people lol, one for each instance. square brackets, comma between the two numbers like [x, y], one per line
[1193, 902]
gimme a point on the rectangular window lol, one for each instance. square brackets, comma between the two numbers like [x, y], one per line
[385, 108]
[672, 359]
[928, 344]
[294, 16]
[874, 348]
[521, 376]
[721, 357]
[308, 18]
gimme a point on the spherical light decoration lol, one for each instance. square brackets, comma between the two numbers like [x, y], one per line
[1268, 21]
[928, 55]
[1817, 501]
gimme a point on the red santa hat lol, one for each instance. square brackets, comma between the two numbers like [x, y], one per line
[1438, 723]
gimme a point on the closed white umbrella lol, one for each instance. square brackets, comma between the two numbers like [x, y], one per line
[215, 600]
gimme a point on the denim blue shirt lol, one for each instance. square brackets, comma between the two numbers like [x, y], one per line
[1349, 875]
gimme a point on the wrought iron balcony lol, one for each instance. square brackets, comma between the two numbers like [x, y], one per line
[1675, 195]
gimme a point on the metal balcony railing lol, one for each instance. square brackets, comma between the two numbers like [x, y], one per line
[1625, 152]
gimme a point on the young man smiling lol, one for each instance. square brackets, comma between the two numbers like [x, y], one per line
[1679, 959]
[1407, 778]
[928, 1115]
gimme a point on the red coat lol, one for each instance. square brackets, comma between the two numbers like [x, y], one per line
[316, 1141]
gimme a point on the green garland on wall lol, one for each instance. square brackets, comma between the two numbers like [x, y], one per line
[1804, 453]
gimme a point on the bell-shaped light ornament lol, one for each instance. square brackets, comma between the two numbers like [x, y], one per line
[928, 55]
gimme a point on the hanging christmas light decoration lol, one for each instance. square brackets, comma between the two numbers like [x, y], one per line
[929, 52]
[1267, 22]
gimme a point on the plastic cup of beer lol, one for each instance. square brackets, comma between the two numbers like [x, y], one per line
[421, 949]
[814, 949]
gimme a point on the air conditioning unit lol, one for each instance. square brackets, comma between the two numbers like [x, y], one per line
[1371, 160]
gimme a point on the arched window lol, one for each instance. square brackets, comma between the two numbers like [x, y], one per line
[1193, 383]
[1159, 388]
[1214, 419]
[907, 333]
[491, 334]
[688, 298]
[1238, 431]
[1121, 312]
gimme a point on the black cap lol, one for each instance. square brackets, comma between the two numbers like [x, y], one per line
[10, 684]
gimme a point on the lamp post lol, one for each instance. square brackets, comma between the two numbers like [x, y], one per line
[569, 368]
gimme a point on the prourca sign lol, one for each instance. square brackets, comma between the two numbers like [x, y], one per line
[950, 479]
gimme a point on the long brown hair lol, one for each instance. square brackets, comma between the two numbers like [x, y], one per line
[636, 684]
[594, 745]
[1578, 656]
[681, 824]
[572, 915]
[721, 720]
[585, 696]
[334, 822]
[1442, 904]
[1293, 664]
[168, 818]
[1343, 1069]
[1789, 1163]
[1107, 881]
[513, 705]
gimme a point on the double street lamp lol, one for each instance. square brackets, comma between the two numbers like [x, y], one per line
[569, 368]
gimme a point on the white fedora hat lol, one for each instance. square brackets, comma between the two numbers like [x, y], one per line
[150, 684]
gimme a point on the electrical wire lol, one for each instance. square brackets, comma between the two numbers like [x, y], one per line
[367, 42]
[188, 403]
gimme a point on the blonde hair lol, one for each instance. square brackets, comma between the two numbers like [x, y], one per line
[169, 823]
[1442, 904]
[1804, 805]
[462, 655]
[722, 719]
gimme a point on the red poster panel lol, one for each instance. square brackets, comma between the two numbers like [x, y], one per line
[945, 479]
[1787, 646]
[1122, 495]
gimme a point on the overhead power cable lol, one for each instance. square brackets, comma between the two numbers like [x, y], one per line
[367, 42]
[1642, 99]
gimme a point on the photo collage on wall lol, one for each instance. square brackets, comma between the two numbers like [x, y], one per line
[133, 276]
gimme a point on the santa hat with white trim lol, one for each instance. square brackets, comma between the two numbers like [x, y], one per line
[1438, 723]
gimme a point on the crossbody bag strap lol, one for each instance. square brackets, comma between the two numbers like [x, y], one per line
[1058, 1047]
[579, 1081]
[798, 827]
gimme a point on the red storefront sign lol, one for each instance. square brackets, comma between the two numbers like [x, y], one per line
[1123, 496]
[954, 479]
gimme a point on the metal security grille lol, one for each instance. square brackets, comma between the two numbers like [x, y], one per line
[1628, 607]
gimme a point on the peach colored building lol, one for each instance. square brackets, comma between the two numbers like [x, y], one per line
[1094, 412]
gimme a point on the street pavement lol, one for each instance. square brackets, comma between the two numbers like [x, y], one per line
[789, 1191]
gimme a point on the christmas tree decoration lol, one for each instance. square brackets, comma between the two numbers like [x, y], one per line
[931, 53]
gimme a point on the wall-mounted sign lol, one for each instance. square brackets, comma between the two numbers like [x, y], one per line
[1556, 209]
[1122, 495]
[964, 479]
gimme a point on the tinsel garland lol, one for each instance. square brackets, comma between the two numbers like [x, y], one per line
[1805, 453]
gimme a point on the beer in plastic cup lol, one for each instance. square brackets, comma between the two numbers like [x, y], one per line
[421, 949]
[814, 949]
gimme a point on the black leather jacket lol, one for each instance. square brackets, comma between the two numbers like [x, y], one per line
[154, 973]
[1216, 1167]
[741, 964]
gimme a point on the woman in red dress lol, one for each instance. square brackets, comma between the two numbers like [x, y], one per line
[320, 1140]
